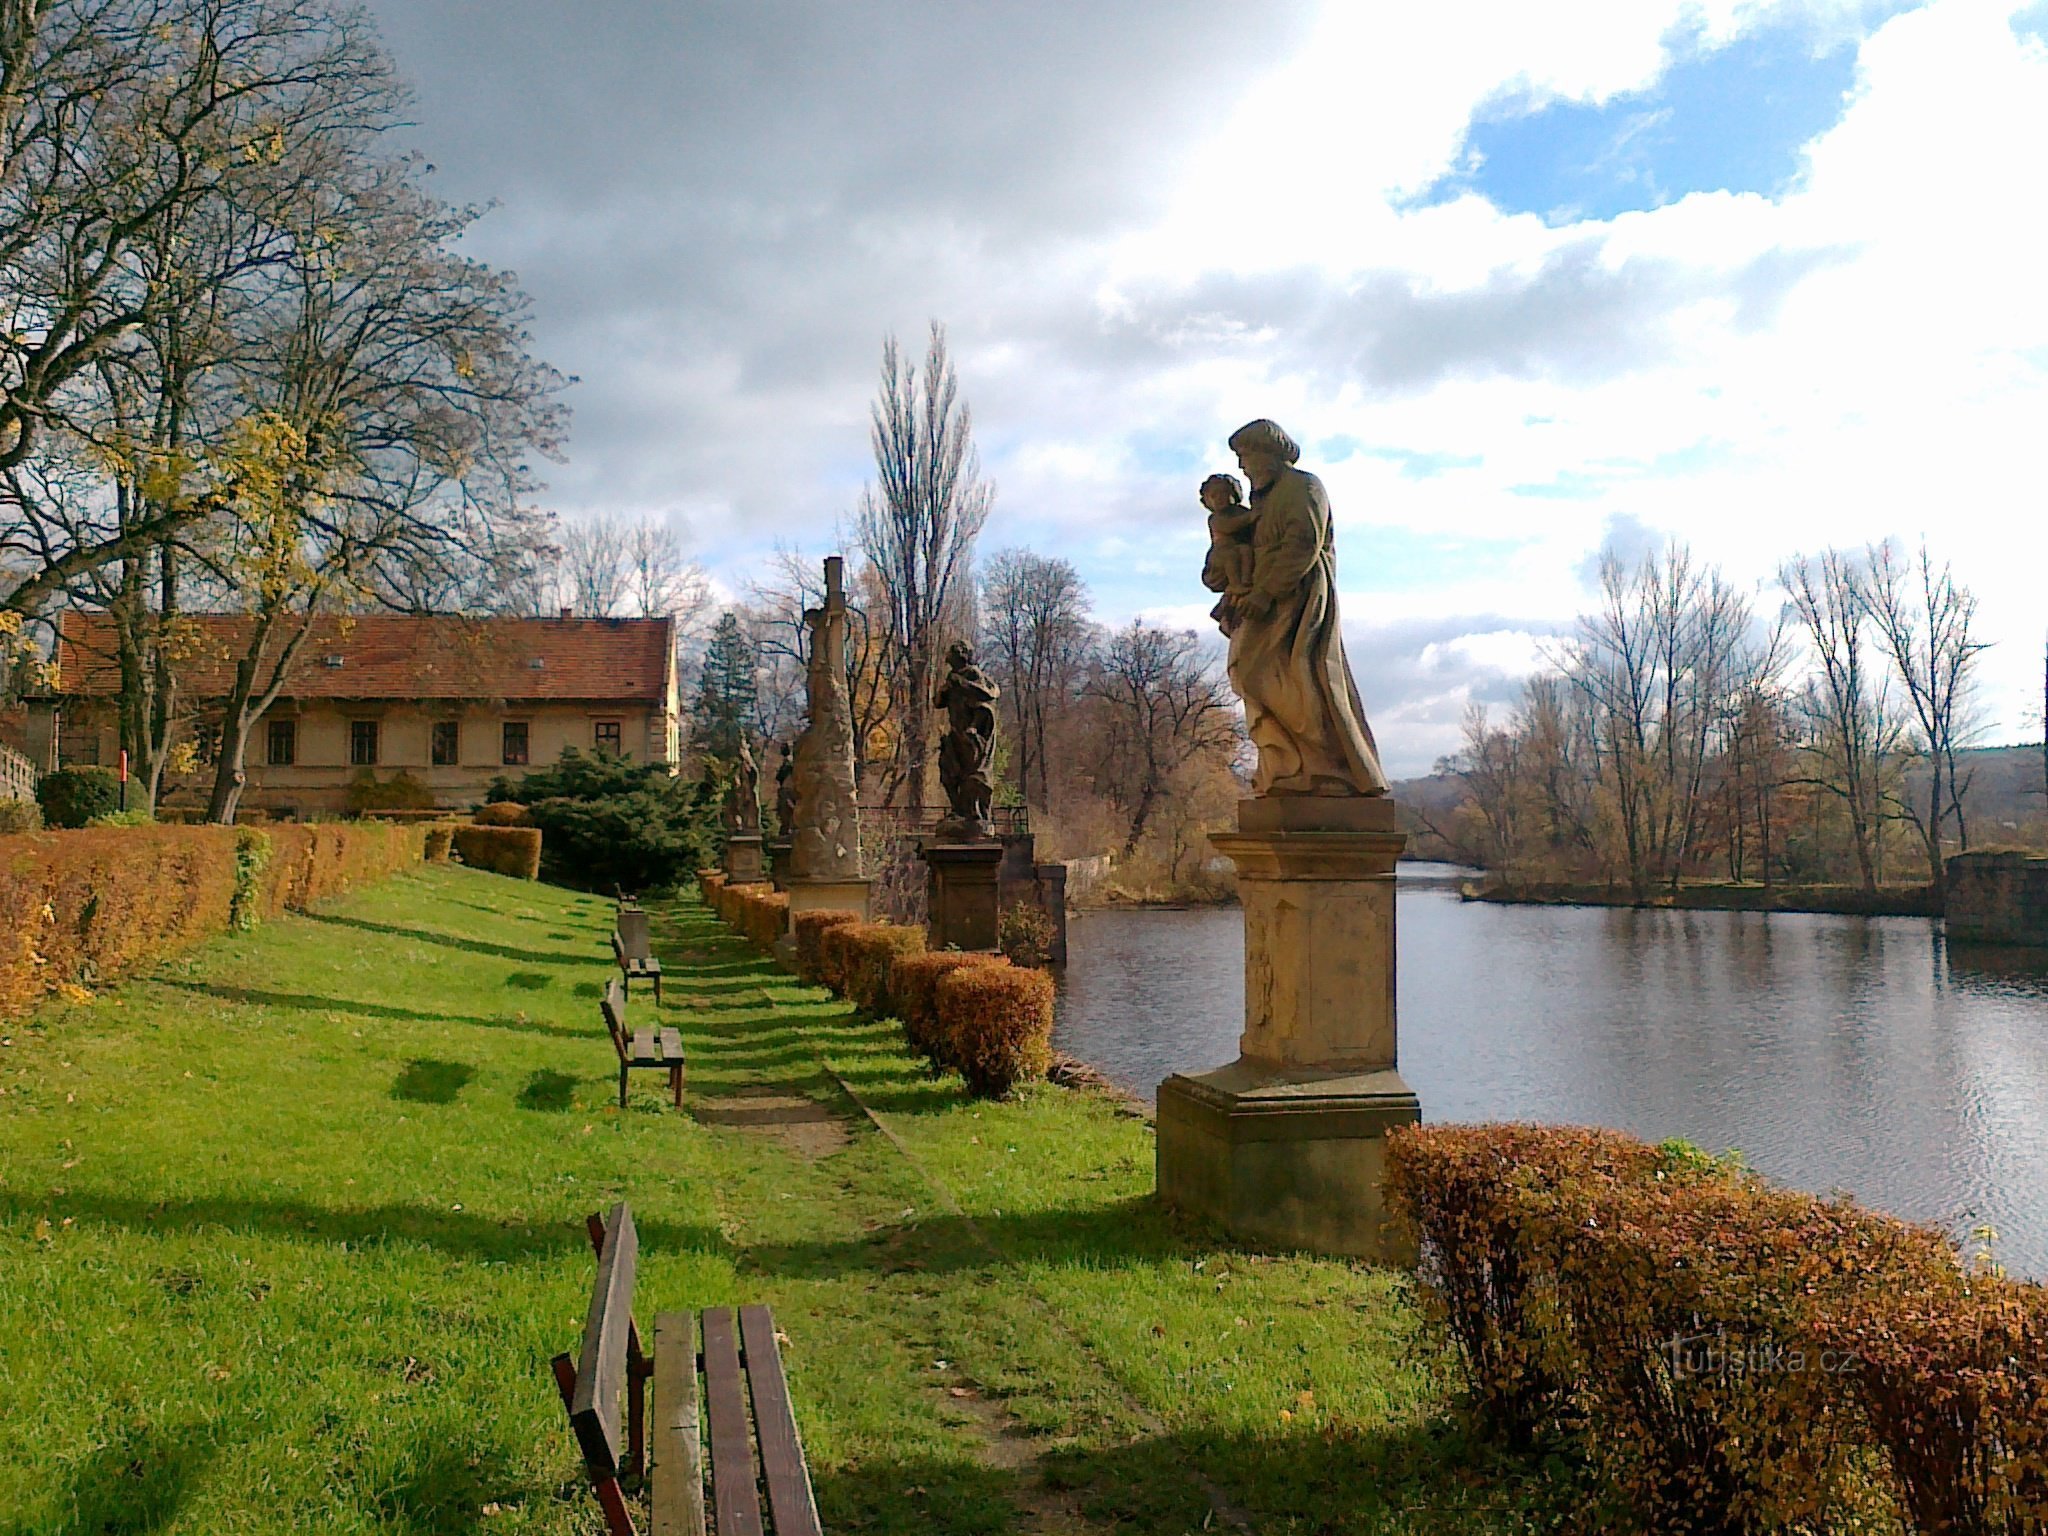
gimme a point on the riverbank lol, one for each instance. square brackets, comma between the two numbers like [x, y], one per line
[1715, 896]
[292, 1227]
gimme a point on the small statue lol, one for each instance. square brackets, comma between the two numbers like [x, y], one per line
[967, 753]
[1230, 546]
[744, 799]
[785, 795]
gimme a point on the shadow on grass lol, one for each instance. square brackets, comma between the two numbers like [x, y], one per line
[529, 981]
[312, 1003]
[425, 1080]
[549, 1091]
[457, 1234]
[455, 941]
[590, 989]
[443, 1488]
[135, 1483]
[960, 1497]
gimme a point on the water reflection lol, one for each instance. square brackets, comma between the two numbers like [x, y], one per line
[1835, 1052]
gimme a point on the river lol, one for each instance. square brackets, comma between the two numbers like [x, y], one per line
[1836, 1053]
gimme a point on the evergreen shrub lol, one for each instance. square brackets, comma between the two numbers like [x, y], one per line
[71, 797]
[996, 1025]
[20, 816]
[615, 824]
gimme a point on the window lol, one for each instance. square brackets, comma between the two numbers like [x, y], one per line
[515, 743]
[447, 743]
[362, 742]
[282, 748]
[606, 736]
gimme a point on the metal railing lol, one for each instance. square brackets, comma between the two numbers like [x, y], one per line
[17, 775]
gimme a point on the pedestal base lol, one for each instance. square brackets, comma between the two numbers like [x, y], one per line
[960, 894]
[1286, 1158]
[820, 896]
[743, 864]
[778, 861]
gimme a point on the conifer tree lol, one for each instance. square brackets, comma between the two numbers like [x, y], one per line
[725, 691]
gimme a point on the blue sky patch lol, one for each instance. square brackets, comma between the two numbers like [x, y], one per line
[1732, 119]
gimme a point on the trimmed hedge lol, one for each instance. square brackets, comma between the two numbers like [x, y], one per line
[80, 908]
[759, 912]
[502, 813]
[1743, 1358]
[863, 956]
[914, 998]
[511, 851]
[809, 929]
[440, 842]
[996, 1025]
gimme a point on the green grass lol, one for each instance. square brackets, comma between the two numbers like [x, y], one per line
[289, 1229]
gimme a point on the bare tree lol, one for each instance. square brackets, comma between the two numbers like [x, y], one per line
[1851, 732]
[774, 617]
[1036, 638]
[594, 570]
[1162, 704]
[1923, 620]
[917, 525]
[663, 582]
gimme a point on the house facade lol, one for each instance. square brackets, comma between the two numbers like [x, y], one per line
[451, 702]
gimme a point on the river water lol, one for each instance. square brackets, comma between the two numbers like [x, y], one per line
[1836, 1053]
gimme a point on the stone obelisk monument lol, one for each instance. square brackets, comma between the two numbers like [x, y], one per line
[1286, 1145]
[824, 854]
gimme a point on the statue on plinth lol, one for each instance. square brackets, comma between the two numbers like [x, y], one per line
[1301, 707]
[785, 794]
[826, 818]
[743, 797]
[967, 753]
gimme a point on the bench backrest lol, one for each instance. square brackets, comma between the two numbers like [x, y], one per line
[602, 1367]
[633, 934]
[613, 1006]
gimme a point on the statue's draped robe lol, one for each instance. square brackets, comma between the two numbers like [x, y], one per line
[1301, 706]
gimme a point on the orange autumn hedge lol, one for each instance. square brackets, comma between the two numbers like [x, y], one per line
[78, 909]
[513, 851]
[995, 1022]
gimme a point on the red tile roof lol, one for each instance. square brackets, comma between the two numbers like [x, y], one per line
[403, 656]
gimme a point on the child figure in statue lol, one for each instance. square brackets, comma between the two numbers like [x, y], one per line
[1230, 546]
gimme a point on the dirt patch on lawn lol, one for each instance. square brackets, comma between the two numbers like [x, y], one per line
[805, 1126]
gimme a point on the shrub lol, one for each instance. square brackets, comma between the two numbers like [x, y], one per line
[1689, 1297]
[913, 998]
[82, 907]
[614, 824]
[503, 813]
[708, 881]
[1953, 1381]
[511, 851]
[400, 792]
[134, 818]
[71, 797]
[761, 914]
[1024, 933]
[440, 842]
[20, 816]
[809, 930]
[865, 953]
[1462, 1190]
[996, 1024]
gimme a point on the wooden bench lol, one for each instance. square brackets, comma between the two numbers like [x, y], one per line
[604, 1390]
[652, 1049]
[632, 950]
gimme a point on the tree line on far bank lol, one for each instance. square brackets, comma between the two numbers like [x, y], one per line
[1680, 733]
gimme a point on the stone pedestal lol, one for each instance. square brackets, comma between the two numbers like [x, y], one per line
[1285, 1147]
[960, 892]
[778, 861]
[743, 862]
[819, 896]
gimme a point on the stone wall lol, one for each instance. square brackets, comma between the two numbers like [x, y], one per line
[1998, 898]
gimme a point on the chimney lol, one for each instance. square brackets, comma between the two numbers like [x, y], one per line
[835, 597]
[567, 614]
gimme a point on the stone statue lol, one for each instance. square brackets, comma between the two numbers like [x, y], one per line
[967, 753]
[785, 795]
[1287, 663]
[745, 793]
[826, 830]
[1230, 546]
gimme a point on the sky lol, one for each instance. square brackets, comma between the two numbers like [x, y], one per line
[1526, 281]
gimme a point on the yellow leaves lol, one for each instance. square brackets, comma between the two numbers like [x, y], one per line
[71, 992]
[464, 364]
[41, 1232]
[10, 623]
[183, 758]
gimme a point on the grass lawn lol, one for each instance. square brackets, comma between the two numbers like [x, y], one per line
[289, 1229]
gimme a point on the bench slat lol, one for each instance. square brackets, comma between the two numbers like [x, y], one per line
[678, 1494]
[671, 1044]
[646, 1047]
[733, 1494]
[782, 1452]
[601, 1370]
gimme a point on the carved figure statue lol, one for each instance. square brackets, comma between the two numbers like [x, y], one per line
[826, 842]
[746, 792]
[969, 747]
[785, 795]
[1287, 662]
[1230, 546]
